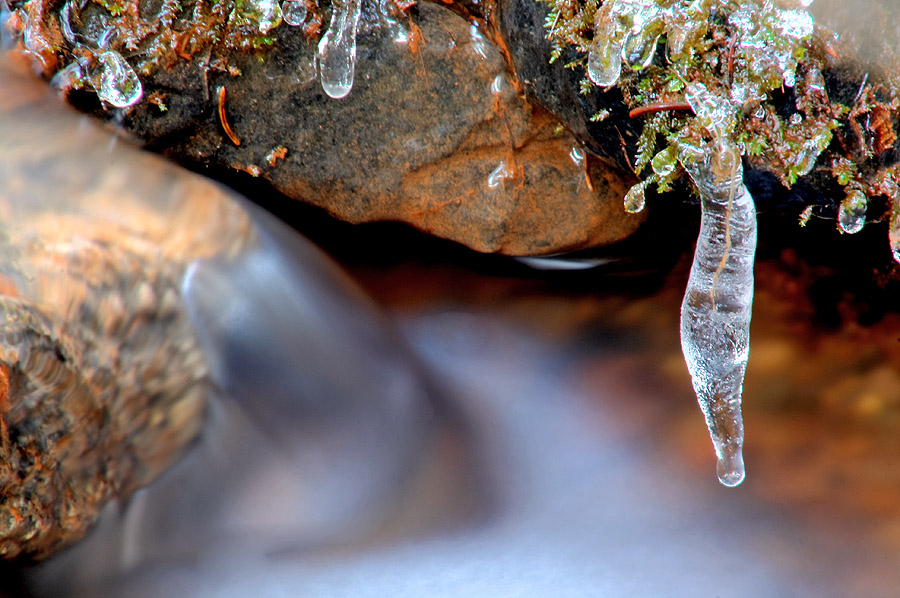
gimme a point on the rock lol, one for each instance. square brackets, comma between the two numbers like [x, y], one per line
[416, 140]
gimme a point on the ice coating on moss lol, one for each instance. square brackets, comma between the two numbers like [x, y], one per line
[117, 83]
[717, 306]
[337, 50]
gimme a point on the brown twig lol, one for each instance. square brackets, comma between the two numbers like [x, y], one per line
[660, 107]
[223, 119]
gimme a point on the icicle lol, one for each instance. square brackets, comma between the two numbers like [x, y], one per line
[119, 85]
[337, 50]
[604, 63]
[852, 214]
[715, 314]
[294, 12]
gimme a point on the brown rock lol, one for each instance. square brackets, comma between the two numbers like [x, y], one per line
[415, 141]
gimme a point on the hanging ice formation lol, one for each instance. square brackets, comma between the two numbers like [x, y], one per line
[337, 49]
[715, 314]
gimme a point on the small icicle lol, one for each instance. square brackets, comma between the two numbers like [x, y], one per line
[118, 85]
[294, 12]
[337, 50]
[852, 214]
[715, 314]
[604, 63]
[640, 43]
[638, 49]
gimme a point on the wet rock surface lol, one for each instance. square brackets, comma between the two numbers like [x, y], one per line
[434, 133]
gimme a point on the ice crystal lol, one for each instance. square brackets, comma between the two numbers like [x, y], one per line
[337, 50]
[117, 83]
[852, 214]
[715, 314]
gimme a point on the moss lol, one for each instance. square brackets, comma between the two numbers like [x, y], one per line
[152, 34]
[761, 72]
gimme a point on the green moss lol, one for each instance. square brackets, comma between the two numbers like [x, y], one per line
[746, 59]
[178, 31]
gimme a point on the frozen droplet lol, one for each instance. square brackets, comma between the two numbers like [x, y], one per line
[479, 41]
[604, 64]
[267, 14]
[294, 12]
[638, 49]
[664, 163]
[685, 26]
[118, 84]
[790, 78]
[337, 50]
[795, 119]
[852, 214]
[499, 174]
[730, 466]
[636, 198]
[717, 306]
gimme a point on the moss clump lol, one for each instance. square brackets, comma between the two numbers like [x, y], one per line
[699, 70]
[153, 34]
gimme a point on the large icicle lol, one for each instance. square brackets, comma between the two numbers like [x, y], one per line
[715, 314]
